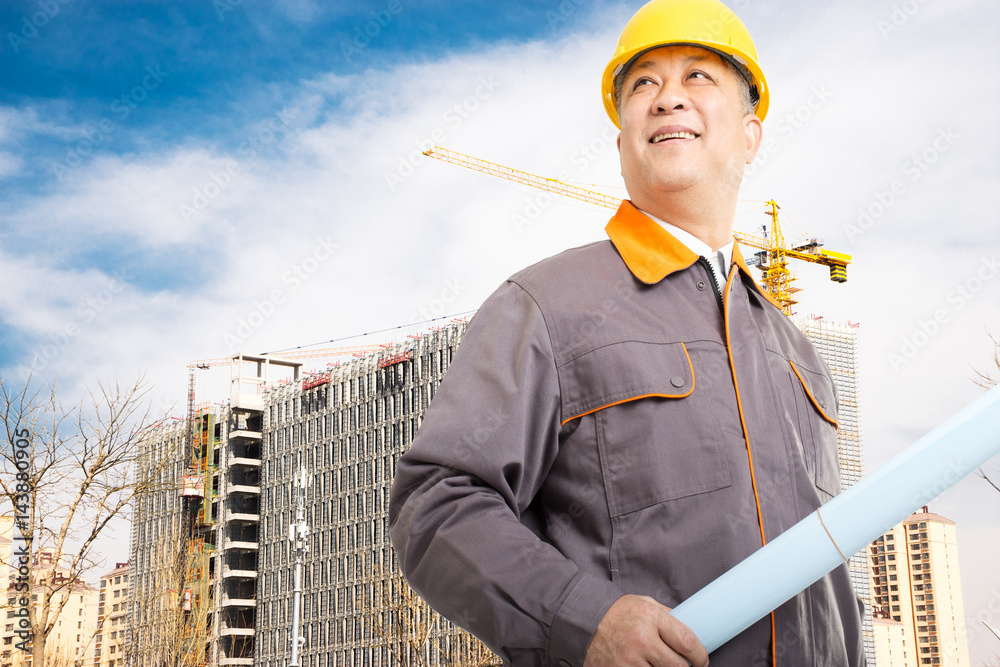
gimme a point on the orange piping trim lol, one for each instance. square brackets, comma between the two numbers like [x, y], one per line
[811, 398]
[746, 437]
[774, 640]
[636, 398]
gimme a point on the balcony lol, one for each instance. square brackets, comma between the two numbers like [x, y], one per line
[237, 632]
[244, 503]
[233, 544]
[239, 574]
[243, 461]
[239, 602]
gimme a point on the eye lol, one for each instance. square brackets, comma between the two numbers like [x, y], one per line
[641, 81]
[698, 74]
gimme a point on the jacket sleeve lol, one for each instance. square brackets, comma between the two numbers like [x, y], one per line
[461, 516]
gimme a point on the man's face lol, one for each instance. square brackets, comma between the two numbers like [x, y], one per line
[683, 124]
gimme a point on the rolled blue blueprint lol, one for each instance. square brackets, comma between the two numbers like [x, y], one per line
[808, 550]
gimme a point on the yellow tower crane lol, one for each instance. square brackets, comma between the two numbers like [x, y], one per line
[772, 256]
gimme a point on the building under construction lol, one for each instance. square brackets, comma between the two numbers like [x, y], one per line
[347, 427]
[837, 343]
[158, 550]
[194, 538]
[210, 547]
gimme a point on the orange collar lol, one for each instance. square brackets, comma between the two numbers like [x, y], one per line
[650, 251]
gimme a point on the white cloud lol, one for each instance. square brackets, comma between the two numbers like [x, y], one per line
[17, 122]
[9, 164]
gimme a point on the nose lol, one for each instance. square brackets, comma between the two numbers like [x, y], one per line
[672, 96]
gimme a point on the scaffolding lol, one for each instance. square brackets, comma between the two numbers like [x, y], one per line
[199, 494]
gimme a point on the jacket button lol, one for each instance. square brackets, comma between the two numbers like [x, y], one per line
[701, 285]
[822, 404]
[677, 381]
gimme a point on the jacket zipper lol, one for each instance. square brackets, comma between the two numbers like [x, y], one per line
[760, 518]
[715, 284]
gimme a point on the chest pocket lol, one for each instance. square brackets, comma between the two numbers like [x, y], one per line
[657, 435]
[816, 404]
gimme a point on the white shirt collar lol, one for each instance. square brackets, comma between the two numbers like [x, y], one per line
[720, 267]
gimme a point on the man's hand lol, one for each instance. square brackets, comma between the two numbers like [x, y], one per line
[638, 630]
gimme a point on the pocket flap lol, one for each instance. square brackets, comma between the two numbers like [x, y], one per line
[820, 391]
[622, 372]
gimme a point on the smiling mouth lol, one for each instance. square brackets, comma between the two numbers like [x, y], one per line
[673, 135]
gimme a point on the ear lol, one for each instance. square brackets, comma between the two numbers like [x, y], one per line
[753, 129]
[618, 142]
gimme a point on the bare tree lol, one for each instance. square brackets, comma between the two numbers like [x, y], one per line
[410, 629]
[987, 381]
[68, 474]
[161, 610]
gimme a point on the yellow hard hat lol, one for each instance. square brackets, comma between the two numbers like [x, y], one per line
[706, 23]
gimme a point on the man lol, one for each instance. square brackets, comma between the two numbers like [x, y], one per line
[626, 421]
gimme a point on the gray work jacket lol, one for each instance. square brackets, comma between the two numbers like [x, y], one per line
[610, 425]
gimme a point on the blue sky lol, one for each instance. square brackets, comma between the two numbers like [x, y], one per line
[185, 180]
[125, 78]
[224, 61]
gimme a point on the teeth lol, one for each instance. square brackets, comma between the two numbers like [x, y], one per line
[674, 135]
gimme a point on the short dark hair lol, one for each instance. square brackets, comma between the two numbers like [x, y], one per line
[748, 92]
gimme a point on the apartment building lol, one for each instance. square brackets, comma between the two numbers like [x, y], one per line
[916, 582]
[112, 617]
[74, 605]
